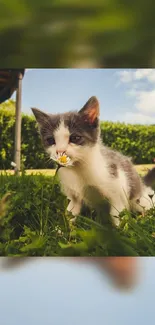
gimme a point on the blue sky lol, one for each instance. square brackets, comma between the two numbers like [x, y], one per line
[126, 95]
[50, 291]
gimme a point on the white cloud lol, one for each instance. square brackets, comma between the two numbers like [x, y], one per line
[130, 75]
[126, 76]
[138, 82]
[133, 90]
[142, 73]
[138, 118]
[145, 101]
[148, 74]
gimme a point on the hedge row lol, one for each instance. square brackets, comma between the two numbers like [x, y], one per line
[32, 152]
[137, 141]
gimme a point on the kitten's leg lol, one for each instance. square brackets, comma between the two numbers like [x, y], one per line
[115, 216]
[117, 205]
[74, 207]
[70, 206]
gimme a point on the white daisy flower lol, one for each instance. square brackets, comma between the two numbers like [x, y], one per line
[63, 160]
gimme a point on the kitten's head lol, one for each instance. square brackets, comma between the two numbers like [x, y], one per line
[72, 133]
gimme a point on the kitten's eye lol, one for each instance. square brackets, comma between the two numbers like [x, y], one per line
[50, 141]
[75, 138]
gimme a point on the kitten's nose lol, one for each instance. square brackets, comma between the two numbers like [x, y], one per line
[60, 152]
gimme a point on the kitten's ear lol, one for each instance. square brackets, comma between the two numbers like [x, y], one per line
[40, 116]
[91, 110]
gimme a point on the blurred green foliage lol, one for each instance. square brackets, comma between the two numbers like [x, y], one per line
[66, 33]
[136, 141]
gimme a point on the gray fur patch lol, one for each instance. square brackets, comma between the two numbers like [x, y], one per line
[113, 169]
[74, 121]
[77, 125]
[117, 159]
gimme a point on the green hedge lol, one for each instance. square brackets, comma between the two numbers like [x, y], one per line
[32, 151]
[136, 141]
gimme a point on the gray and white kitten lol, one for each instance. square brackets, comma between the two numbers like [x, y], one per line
[97, 172]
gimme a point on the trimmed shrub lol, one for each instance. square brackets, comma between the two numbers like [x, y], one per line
[32, 151]
[136, 141]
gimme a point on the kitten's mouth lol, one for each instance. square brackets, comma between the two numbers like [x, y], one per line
[62, 160]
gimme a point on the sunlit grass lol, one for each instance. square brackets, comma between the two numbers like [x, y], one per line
[45, 172]
[141, 169]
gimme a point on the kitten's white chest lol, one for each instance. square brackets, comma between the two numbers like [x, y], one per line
[71, 182]
[84, 183]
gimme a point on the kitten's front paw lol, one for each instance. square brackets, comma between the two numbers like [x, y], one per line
[74, 208]
[116, 221]
[70, 206]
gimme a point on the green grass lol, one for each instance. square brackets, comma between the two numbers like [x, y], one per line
[35, 222]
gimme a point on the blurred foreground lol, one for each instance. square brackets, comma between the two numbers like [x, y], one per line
[122, 270]
[76, 33]
[58, 291]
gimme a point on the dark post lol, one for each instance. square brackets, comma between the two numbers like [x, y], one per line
[17, 153]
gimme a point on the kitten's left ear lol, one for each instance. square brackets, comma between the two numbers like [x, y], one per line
[91, 110]
[40, 116]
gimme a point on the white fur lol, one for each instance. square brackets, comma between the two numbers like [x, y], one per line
[61, 135]
[89, 179]
[92, 172]
[145, 201]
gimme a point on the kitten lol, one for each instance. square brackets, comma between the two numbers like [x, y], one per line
[97, 172]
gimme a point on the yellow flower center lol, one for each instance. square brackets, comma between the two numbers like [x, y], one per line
[63, 159]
